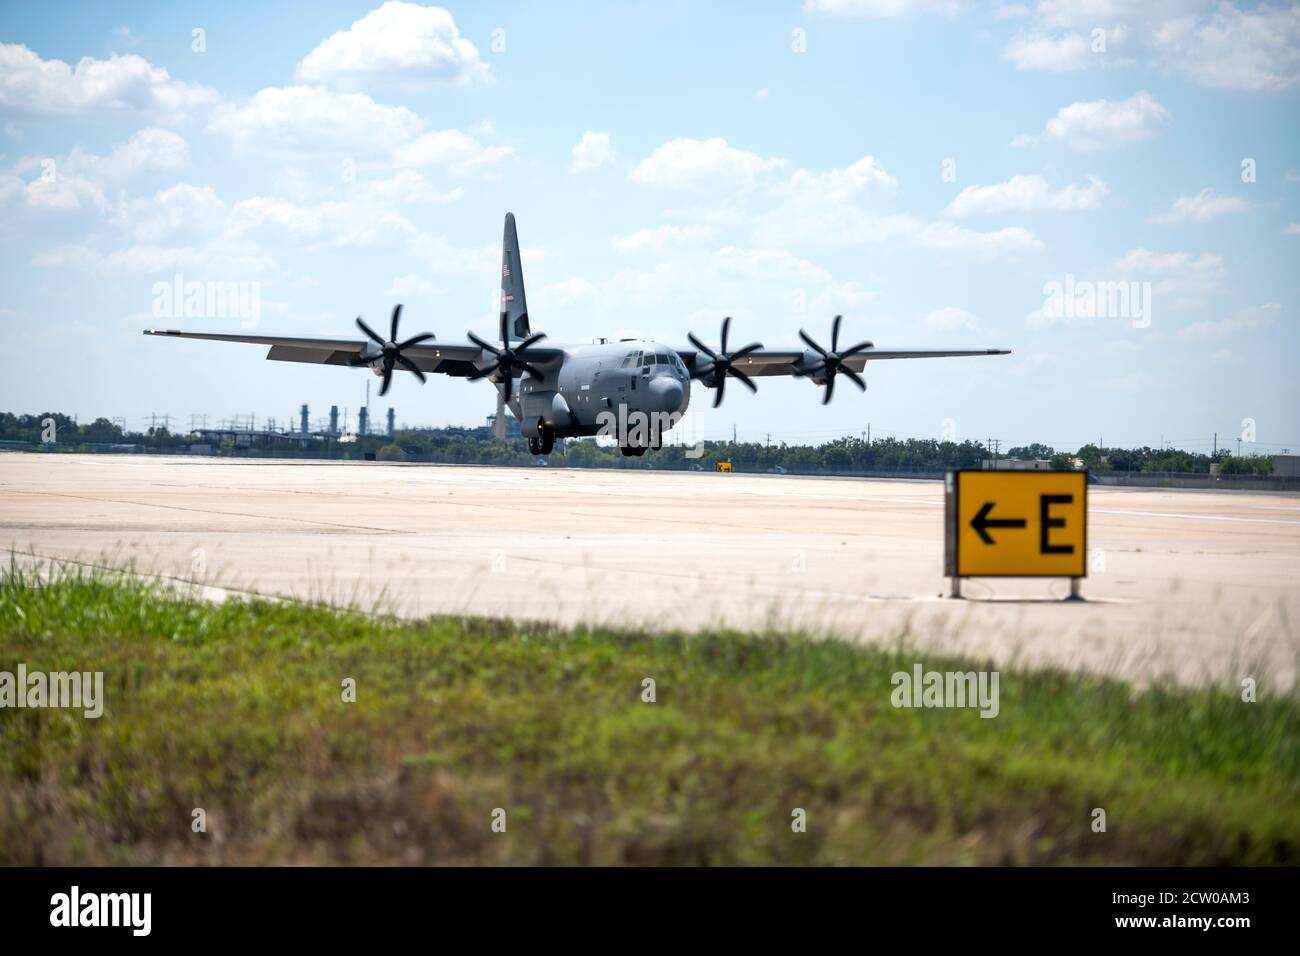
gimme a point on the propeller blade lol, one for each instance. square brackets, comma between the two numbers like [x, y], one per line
[505, 340]
[835, 333]
[410, 366]
[483, 345]
[855, 377]
[860, 347]
[416, 340]
[811, 344]
[741, 353]
[749, 382]
[397, 314]
[365, 358]
[508, 384]
[726, 328]
[830, 389]
[701, 346]
[483, 372]
[531, 340]
[722, 388]
[805, 372]
[530, 369]
[705, 370]
[388, 380]
[501, 416]
[369, 331]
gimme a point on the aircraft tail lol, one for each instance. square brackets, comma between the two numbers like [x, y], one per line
[514, 307]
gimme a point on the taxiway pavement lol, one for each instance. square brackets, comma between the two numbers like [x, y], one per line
[1185, 584]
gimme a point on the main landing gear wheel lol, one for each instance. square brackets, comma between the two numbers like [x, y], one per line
[544, 445]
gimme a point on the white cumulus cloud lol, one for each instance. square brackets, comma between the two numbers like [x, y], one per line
[591, 152]
[1205, 206]
[406, 188]
[686, 163]
[452, 150]
[306, 120]
[122, 83]
[401, 43]
[663, 237]
[1101, 124]
[1027, 194]
[1233, 49]
[1055, 54]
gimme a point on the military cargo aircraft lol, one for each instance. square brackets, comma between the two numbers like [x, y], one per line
[563, 391]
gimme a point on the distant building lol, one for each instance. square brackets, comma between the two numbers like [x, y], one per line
[1286, 466]
[1017, 464]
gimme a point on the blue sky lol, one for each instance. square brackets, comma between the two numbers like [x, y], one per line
[928, 168]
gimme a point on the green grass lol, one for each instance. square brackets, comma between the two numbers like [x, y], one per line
[236, 708]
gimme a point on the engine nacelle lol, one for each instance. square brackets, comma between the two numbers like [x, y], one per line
[809, 361]
[531, 426]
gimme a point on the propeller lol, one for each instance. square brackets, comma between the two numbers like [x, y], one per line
[723, 363]
[507, 359]
[390, 350]
[832, 362]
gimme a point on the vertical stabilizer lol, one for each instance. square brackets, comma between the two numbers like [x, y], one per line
[514, 307]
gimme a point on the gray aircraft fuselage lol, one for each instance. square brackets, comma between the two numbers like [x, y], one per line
[636, 375]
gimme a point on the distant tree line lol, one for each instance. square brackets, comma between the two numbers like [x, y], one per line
[66, 432]
[480, 447]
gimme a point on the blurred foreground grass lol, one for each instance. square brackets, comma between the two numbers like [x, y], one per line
[236, 708]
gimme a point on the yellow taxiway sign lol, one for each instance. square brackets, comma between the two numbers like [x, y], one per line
[1016, 524]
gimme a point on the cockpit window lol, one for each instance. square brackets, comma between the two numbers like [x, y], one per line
[632, 361]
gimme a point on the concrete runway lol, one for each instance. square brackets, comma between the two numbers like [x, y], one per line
[1191, 585]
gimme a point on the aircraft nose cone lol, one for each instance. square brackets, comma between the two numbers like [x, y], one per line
[666, 394]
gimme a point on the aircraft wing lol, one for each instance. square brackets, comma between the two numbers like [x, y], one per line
[763, 362]
[449, 359]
